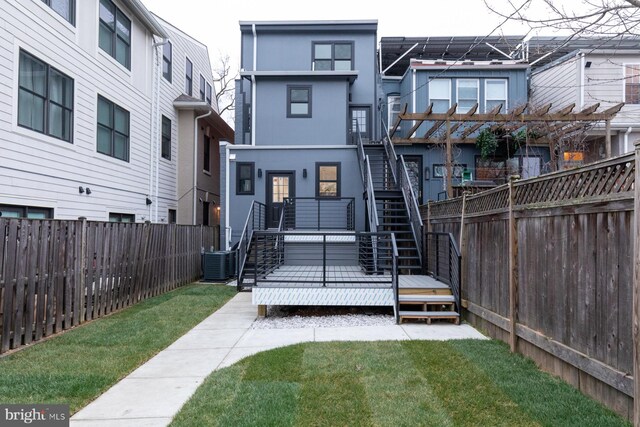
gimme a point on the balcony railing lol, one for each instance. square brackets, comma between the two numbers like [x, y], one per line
[318, 214]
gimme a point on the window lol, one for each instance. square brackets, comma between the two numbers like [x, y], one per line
[333, 56]
[115, 33]
[113, 130]
[632, 83]
[166, 138]
[495, 93]
[64, 8]
[45, 98]
[467, 94]
[440, 171]
[245, 178]
[298, 101]
[173, 215]
[206, 161]
[166, 61]
[203, 83]
[440, 95]
[121, 217]
[29, 212]
[205, 213]
[393, 103]
[188, 78]
[327, 179]
[208, 95]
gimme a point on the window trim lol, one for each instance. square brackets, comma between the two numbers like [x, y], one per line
[208, 93]
[114, 34]
[397, 97]
[505, 107]
[188, 77]
[291, 115]
[333, 44]
[113, 130]
[165, 138]
[439, 170]
[477, 81]
[429, 99]
[168, 76]
[25, 209]
[47, 99]
[72, 11]
[203, 84]
[624, 81]
[122, 215]
[338, 180]
[239, 192]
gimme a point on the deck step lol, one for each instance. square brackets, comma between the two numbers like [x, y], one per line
[430, 315]
[435, 299]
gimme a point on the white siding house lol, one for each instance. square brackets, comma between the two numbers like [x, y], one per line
[80, 110]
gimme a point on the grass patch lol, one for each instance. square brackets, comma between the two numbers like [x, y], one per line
[458, 383]
[80, 364]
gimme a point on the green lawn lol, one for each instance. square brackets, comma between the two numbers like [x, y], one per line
[80, 364]
[455, 383]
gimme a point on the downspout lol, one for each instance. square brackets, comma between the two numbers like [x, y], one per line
[195, 162]
[155, 128]
[581, 77]
[626, 139]
[413, 96]
[253, 85]
[227, 228]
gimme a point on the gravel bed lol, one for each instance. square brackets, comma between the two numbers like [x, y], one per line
[321, 317]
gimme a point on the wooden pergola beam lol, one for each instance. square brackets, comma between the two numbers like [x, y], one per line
[525, 118]
[471, 129]
[398, 120]
[438, 124]
[418, 123]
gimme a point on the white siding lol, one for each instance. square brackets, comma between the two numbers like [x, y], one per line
[558, 85]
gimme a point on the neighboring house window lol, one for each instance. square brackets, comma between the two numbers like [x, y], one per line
[166, 138]
[64, 8]
[167, 61]
[205, 213]
[188, 78]
[206, 161]
[394, 106]
[327, 179]
[468, 91]
[113, 130]
[440, 170]
[173, 216]
[29, 212]
[440, 95]
[495, 93]
[121, 217]
[333, 56]
[208, 95]
[203, 84]
[45, 98]
[298, 101]
[115, 33]
[632, 83]
[245, 178]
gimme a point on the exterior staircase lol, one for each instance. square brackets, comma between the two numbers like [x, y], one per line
[428, 300]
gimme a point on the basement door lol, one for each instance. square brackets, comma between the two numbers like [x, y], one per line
[280, 185]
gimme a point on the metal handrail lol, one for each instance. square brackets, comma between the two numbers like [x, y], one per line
[450, 273]
[318, 213]
[415, 219]
[394, 278]
[245, 239]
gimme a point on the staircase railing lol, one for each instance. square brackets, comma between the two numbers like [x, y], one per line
[256, 220]
[394, 278]
[313, 213]
[374, 223]
[443, 261]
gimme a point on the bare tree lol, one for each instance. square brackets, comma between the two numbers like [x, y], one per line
[224, 77]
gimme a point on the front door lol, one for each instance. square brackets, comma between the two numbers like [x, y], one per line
[280, 185]
[360, 126]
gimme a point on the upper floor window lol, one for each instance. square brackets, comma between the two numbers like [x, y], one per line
[298, 101]
[166, 61]
[45, 98]
[203, 84]
[188, 78]
[495, 93]
[208, 94]
[440, 95]
[29, 212]
[632, 83]
[166, 138]
[468, 94]
[115, 33]
[206, 160]
[113, 130]
[64, 8]
[332, 56]
[393, 105]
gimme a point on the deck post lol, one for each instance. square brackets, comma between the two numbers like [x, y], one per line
[324, 260]
[513, 267]
[449, 162]
[636, 293]
[463, 247]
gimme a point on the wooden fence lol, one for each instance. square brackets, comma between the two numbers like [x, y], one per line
[55, 275]
[553, 256]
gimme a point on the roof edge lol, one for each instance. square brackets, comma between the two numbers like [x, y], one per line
[147, 18]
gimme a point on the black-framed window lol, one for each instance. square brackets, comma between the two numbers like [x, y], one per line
[328, 181]
[173, 216]
[45, 98]
[203, 84]
[121, 217]
[298, 101]
[166, 138]
[206, 159]
[64, 8]
[440, 170]
[245, 178]
[29, 212]
[329, 56]
[208, 94]
[113, 130]
[115, 33]
[167, 60]
[205, 213]
[188, 77]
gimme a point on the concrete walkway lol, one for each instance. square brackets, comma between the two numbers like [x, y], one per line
[152, 394]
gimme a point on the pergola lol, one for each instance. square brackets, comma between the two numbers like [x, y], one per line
[460, 128]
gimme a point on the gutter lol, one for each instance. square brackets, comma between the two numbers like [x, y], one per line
[195, 162]
[155, 129]
[147, 18]
[227, 228]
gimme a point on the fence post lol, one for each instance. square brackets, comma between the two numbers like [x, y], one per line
[636, 293]
[513, 266]
[83, 268]
[463, 247]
